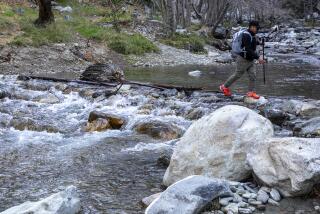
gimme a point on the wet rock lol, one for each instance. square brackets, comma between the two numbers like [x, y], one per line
[306, 109]
[148, 200]
[3, 94]
[103, 72]
[276, 116]
[225, 201]
[233, 208]
[195, 114]
[273, 202]
[158, 129]
[189, 195]
[245, 211]
[99, 125]
[310, 128]
[263, 196]
[289, 164]
[217, 145]
[252, 101]
[115, 121]
[249, 195]
[30, 124]
[275, 195]
[64, 202]
[46, 98]
[164, 160]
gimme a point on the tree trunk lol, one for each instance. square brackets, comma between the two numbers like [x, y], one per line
[45, 13]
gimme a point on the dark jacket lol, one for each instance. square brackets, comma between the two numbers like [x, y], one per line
[250, 47]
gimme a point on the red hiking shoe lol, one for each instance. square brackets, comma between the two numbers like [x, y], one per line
[226, 91]
[253, 95]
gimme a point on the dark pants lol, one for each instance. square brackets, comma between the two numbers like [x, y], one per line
[242, 66]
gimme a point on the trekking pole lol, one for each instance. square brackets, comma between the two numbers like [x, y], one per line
[263, 65]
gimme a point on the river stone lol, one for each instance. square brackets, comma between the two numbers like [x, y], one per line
[25, 123]
[263, 196]
[148, 200]
[307, 109]
[310, 128]
[47, 98]
[103, 72]
[232, 207]
[225, 201]
[273, 202]
[158, 129]
[258, 102]
[275, 195]
[64, 202]
[115, 121]
[217, 145]
[98, 125]
[245, 211]
[189, 196]
[290, 164]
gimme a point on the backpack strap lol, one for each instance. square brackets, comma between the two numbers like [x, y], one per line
[247, 32]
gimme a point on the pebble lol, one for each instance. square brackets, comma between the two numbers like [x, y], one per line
[234, 183]
[273, 202]
[243, 204]
[237, 198]
[262, 196]
[249, 189]
[231, 207]
[249, 195]
[245, 211]
[275, 195]
[225, 201]
[241, 191]
[254, 202]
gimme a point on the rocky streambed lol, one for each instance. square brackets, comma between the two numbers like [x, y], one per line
[114, 149]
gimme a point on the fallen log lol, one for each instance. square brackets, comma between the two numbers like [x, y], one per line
[99, 83]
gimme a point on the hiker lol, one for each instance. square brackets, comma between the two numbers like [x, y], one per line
[244, 49]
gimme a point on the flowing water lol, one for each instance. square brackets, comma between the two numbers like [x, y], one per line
[281, 79]
[43, 147]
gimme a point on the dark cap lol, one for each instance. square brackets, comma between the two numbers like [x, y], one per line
[254, 23]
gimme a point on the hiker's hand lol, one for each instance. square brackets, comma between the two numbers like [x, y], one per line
[261, 60]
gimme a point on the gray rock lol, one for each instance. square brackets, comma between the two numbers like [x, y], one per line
[254, 202]
[189, 195]
[275, 195]
[64, 202]
[249, 195]
[262, 196]
[231, 208]
[225, 201]
[245, 211]
[103, 72]
[237, 198]
[243, 204]
[310, 128]
[273, 202]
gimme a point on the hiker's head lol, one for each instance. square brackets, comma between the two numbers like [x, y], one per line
[254, 26]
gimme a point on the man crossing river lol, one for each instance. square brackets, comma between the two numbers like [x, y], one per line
[244, 48]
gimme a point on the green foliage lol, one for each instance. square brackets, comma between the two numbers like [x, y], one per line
[37, 36]
[192, 42]
[131, 44]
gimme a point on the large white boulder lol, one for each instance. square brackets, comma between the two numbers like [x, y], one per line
[217, 145]
[189, 196]
[292, 165]
[64, 202]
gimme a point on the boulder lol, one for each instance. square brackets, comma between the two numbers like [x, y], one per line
[310, 128]
[289, 164]
[217, 145]
[115, 121]
[306, 109]
[158, 129]
[220, 33]
[98, 125]
[64, 202]
[103, 72]
[189, 196]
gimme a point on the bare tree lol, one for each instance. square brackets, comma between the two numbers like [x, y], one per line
[45, 13]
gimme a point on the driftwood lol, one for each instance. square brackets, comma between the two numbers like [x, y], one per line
[99, 83]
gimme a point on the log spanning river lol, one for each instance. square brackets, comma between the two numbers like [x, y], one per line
[44, 147]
